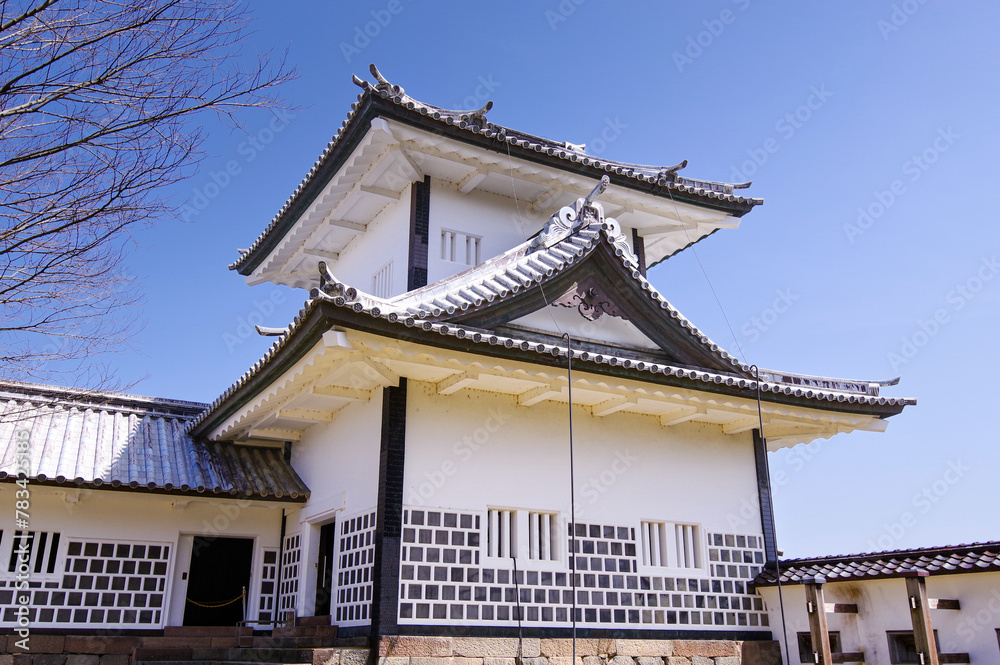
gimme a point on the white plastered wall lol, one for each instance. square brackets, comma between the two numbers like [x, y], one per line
[339, 463]
[134, 517]
[882, 607]
[491, 217]
[386, 239]
[628, 467]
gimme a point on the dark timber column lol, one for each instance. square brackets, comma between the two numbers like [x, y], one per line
[920, 615]
[420, 205]
[818, 630]
[389, 513]
[764, 494]
[639, 246]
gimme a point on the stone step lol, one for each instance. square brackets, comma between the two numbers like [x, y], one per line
[322, 620]
[206, 662]
[265, 655]
[234, 655]
[206, 631]
[305, 631]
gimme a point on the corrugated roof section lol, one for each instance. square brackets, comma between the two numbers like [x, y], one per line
[111, 441]
[972, 558]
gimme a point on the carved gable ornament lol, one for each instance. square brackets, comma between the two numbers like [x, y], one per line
[590, 300]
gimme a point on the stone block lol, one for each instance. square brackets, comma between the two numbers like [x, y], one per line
[565, 660]
[710, 648]
[37, 643]
[394, 660]
[329, 657]
[82, 659]
[644, 648]
[702, 660]
[350, 656]
[535, 660]
[584, 647]
[481, 647]
[118, 659]
[727, 660]
[6, 659]
[760, 653]
[55, 659]
[621, 660]
[415, 646]
[490, 660]
[95, 644]
[649, 660]
[677, 660]
[594, 660]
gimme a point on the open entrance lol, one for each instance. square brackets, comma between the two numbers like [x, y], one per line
[218, 577]
[324, 578]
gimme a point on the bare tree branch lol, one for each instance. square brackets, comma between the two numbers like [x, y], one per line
[99, 109]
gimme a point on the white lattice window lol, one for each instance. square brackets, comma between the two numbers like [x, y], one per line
[268, 575]
[290, 559]
[654, 543]
[382, 281]
[461, 247]
[501, 536]
[42, 548]
[688, 549]
[670, 545]
[543, 540]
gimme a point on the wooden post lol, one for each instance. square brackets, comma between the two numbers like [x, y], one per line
[920, 615]
[818, 630]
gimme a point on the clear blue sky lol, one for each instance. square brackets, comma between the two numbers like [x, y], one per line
[869, 128]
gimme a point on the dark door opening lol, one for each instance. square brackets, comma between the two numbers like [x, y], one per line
[324, 577]
[219, 574]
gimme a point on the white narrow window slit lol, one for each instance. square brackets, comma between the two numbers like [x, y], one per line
[463, 248]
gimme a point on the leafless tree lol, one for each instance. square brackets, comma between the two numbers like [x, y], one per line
[100, 104]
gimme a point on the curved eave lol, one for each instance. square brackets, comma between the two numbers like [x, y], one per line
[322, 315]
[372, 105]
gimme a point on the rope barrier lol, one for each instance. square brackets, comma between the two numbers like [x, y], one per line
[213, 606]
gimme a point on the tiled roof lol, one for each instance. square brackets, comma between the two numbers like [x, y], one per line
[568, 237]
[106, 440]
[664, 179]
[972, 558]
[526, 266]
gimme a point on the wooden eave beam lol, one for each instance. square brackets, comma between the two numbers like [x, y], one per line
[341, 392]
[305, 415]
[274, 434]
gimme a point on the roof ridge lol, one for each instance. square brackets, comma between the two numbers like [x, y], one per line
[474, 121]
[31, 391]
[894, 553]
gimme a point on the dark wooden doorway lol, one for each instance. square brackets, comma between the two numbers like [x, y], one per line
[219, 574]
[324, 576]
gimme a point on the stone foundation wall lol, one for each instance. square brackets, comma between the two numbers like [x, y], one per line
[589, 651]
